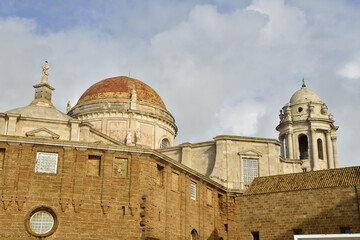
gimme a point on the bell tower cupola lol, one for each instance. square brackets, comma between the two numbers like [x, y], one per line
[307, 132]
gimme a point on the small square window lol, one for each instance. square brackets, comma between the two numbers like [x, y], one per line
[304, 170]
[93, 165]
[298, 232]
[46, 162]
[120, 167]
[193, 190]
[345, 230]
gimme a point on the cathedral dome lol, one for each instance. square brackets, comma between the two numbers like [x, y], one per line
[304, 95]
[128, 110]
[120, 88]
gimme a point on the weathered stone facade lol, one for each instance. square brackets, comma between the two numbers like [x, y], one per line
[151, 199]
[108, 170]
[323, 202]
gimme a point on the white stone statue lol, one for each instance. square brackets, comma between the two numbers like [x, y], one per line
[324, 109]
[45, 72]
[128, 138]
[133, 95]
[133, 99]
[68, 107]
[137, 135]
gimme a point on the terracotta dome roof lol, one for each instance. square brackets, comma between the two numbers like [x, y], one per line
[119, 88]
[304, 95]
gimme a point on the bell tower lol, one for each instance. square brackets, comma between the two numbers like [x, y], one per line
[307, 132]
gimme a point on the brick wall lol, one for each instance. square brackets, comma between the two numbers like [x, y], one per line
[94, 196]
[86, 206]
[317, 211]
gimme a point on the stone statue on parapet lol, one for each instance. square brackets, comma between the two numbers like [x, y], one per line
[68, 106]
[45, 72]
[128, 138]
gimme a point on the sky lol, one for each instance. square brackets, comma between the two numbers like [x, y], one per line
[221, 67]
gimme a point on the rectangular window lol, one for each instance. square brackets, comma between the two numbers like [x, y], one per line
[2, 157]
[93, 165]
[193, 191]
[123, 211]
[174, 181]
[250, 169]
[345, 230]
[46, 162]
[298, 232]
[120, 167]
[226, 227]
[220, 200]
[255, 235]
[160, 175]
[209, 197]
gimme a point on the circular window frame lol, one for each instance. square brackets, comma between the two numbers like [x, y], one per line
[300, 109]
[32, 213]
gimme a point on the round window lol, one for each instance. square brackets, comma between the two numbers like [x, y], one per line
[41, 222]
[300, 109]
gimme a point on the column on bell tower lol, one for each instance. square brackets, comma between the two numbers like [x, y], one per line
[289, 138]
[314, 155]
[336, 163]
[329, 149]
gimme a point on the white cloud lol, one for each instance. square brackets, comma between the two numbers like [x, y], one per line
[351, 70]
[200, 61]
[240, 118]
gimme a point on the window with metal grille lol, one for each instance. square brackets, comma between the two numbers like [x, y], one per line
[164, 143]
[46, 162]
[193, 191]
[250, 169]
[41, 222]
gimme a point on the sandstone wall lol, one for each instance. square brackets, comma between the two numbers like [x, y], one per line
[319, 211]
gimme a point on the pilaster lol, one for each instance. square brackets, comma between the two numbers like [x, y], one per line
[329, 150]
[336, 162]
[12, 120]
[314, 154]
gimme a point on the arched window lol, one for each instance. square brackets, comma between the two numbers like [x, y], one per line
[303, 147]
[320, 149]
[164, 143]
[194, 235]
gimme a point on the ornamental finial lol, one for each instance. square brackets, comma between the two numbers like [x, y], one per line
[303, 85]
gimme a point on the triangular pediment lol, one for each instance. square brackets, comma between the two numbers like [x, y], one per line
[251, 152]
[42, 133]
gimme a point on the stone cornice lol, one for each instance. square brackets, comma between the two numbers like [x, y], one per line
[137, 112]
[246, 139]
[290, 160]
[114, 148]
